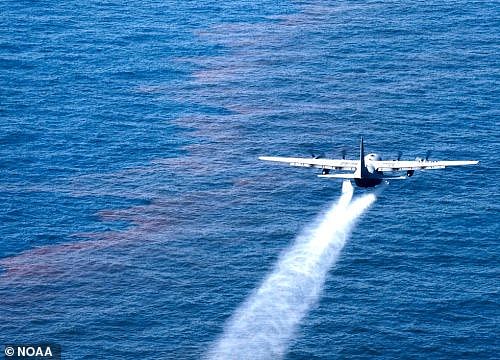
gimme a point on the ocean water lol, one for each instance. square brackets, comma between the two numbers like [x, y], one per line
[136, 217]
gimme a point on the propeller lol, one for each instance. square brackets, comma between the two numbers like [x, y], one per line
[427, 155]
[317, 156]
[400, 153]
[321, 155]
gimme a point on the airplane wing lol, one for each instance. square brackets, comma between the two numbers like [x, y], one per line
[397, 165]
[332, 164]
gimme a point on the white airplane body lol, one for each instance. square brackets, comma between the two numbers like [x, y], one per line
[369, 169]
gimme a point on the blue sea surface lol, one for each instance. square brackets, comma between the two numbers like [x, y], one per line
[136, 217]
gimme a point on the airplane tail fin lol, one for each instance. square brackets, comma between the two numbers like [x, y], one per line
[362, 153]
[362, 171]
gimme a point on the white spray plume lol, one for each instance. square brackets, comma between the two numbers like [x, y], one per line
[262, 327]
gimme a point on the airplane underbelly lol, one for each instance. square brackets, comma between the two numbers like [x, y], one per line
[367, 182]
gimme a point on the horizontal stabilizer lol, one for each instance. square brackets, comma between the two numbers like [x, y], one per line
[394, 177]
[338, 176]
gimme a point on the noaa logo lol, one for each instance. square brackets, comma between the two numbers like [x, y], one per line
[41, 351]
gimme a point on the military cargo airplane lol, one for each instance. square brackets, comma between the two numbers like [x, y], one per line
[369, 169]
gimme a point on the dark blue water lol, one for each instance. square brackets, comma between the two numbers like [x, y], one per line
[135, 216]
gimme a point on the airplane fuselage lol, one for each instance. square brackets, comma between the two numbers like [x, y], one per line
[367, 182]
[366, 173]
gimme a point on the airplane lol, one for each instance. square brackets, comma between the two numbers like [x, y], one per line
[369, 169]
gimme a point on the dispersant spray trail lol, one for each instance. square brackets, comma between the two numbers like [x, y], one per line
[262, 327]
